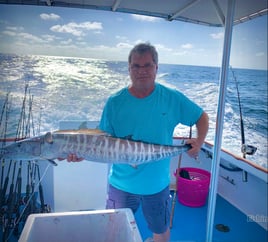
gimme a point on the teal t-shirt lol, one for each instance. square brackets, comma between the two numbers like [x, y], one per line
[150, 119]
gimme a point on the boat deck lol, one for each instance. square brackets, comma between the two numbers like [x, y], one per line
[189, 224]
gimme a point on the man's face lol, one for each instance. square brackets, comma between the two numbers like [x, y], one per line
[142, 70]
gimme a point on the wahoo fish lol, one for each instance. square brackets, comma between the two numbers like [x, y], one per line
[92, 145]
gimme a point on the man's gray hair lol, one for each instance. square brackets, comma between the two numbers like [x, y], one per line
[143, 48]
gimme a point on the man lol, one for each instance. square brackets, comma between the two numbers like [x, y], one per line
[147, 111]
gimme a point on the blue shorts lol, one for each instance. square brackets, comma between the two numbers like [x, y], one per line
[155, 207]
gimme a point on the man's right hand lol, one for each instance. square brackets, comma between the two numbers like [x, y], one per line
[72, 158]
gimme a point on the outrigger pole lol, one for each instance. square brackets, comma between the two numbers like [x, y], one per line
[228, 29]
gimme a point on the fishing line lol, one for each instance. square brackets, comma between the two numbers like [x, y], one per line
[28, 202]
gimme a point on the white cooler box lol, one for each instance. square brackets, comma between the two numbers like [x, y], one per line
[113, 225]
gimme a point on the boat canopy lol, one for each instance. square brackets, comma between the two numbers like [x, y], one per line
[205, 12]
[217, 13]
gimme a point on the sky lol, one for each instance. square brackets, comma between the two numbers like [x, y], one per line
[94, 34]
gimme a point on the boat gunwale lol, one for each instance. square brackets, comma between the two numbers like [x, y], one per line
[244, 160]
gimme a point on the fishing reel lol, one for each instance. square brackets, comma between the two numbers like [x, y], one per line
[248, 149]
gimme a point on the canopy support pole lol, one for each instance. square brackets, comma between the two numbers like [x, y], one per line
[220, 119]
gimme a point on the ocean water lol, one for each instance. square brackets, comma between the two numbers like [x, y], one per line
[61, 88]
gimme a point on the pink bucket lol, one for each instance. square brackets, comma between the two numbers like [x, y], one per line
[193, 192]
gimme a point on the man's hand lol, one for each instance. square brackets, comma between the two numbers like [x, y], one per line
[196, 143]
[72, 158]
[196, 146]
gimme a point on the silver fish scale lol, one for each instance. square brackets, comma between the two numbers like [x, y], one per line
[113, 150]
[93, 147]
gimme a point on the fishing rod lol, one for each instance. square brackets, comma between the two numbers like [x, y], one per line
[4, 108]
[2, 180]
[3, 197]
[21, 124]
[33, 179]
[11, 188]
[245, 149]
[18, 200]
[39, 121]
[41, 193]
[13, 206]
[3, 188]
[5, 113]
[8, 218]
[29, 118]
[28, 190]
[29, 197]
[177, 174]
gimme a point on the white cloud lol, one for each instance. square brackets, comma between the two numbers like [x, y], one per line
[49, 38]
[30, 37]
[90, 25]
[66, 29]
[138, 41]
[9, 33]
[123, 38]
[17, 32]
[51, 16]
[217, 35]
[180, 53]
[12, 30]
[124, 45]
[66, 42]
[15, 28]
[76, 29]
[161, 47]
[187, 46]
[145, 18]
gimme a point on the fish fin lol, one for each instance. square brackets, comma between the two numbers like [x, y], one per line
[83, 125]
[188, 146]
[130, 137]
[48, 138]
[184, 146]
[52, 162]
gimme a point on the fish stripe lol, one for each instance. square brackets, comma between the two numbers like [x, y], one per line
[92, 146]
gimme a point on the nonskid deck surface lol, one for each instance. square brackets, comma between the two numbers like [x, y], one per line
[189, 224]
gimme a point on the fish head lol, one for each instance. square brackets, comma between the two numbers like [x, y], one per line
[23, 149]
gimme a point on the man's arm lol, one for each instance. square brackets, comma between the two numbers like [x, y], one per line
[202, 129]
